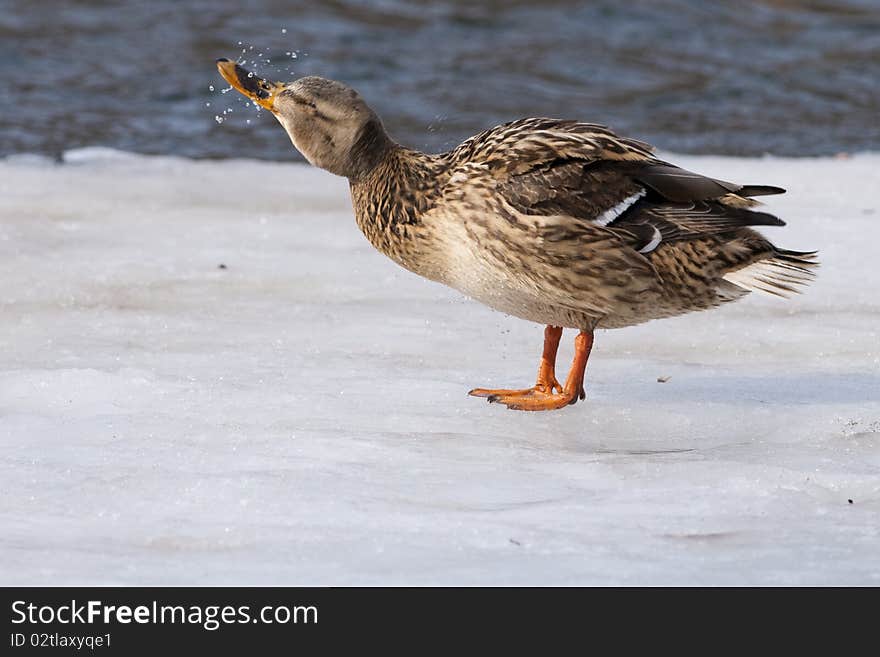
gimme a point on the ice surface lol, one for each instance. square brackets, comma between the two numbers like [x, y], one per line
[300, 416]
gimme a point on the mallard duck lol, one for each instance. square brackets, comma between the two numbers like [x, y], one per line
[554, 221]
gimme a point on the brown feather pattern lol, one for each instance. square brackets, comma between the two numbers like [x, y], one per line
[566, 223]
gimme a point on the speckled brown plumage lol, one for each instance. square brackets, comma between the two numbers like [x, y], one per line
[555, 221]
[510, 218]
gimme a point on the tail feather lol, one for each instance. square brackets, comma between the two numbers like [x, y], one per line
[782, 274]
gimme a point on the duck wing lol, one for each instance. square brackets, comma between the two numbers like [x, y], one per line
[580, 211]
[585, 172]
[675, 204]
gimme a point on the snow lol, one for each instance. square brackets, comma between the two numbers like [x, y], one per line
[300, 417]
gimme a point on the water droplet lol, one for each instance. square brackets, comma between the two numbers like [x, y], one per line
[207, 104]
[283, 30]
[250, 75]
[210, 87]
[218, 119]
[247, 121]
[239, 43]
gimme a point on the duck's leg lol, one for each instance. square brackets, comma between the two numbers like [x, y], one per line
[546, 382]
[571, 391]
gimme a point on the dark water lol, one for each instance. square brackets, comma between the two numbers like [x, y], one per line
[781, 76]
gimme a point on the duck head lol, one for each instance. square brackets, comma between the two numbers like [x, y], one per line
[327, 121]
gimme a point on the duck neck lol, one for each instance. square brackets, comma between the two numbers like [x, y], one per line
[391, 198]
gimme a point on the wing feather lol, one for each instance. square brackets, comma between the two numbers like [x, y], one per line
[586, 172]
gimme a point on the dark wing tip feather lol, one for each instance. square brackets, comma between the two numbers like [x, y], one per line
[679, 185]
[754, 218]
[798, 258]
[759, 190]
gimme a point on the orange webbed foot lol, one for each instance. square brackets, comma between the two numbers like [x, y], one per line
[540, 401]
[541, 388]
[547, 394]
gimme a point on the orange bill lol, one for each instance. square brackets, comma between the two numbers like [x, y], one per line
[261, 91]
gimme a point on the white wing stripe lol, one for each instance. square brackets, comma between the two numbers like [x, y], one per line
[613, 213]
[654, 243]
